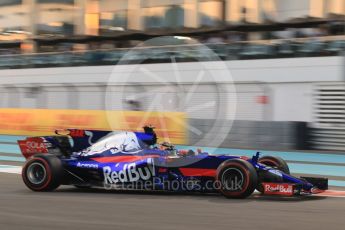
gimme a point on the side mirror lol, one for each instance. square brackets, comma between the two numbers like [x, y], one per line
[256, 157]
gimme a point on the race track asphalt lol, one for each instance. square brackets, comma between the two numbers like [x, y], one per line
[72, 208]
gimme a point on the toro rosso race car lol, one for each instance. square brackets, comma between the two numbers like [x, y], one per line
[134, 160]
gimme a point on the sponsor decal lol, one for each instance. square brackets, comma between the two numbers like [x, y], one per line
[278, 189]
[121, 142]
[129, 173]
[87, 165]
[35, 145]
[32, 146]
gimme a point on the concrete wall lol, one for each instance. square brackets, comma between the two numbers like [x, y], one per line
[291, 102]
[287, 83]
[287, 70]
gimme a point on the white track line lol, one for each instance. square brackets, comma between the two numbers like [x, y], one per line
[10, 169]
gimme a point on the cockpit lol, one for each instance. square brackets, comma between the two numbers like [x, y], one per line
[131, 143]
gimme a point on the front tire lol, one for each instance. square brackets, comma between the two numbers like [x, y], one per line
[42, 173]
[275, 162]
[237, 178]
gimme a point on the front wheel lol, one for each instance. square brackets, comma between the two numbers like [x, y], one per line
[42, 173]
[237, 178]
[275, 162]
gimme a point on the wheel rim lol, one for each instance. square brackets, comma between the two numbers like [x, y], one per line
[36, 173]
[233, 180]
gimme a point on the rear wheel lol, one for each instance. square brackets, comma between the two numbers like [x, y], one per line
[42, 173]
[236, 178]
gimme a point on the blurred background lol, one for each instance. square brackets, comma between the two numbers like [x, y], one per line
[243, 29]
[286, 59]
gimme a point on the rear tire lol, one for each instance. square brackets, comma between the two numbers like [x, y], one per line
[43, 173]
[236, 178]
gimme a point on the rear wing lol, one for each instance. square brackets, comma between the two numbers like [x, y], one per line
[32, 145]
[65, 142]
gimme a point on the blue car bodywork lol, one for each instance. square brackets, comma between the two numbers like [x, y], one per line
[132, 160]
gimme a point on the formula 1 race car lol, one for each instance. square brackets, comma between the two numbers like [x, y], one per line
[134, 160]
